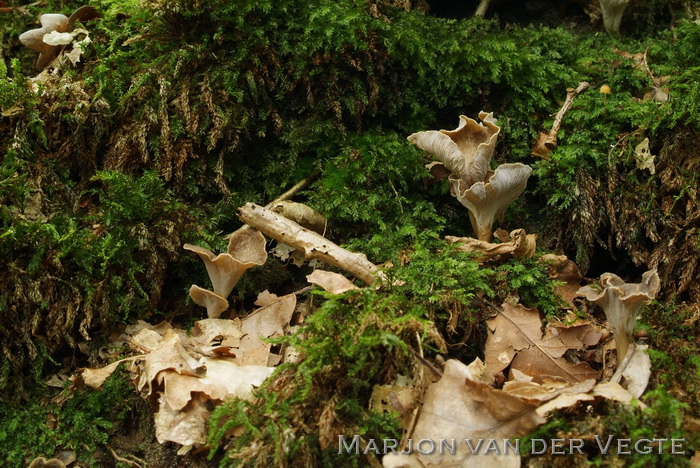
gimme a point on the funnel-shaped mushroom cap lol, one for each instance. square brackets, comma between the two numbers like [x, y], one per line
[621, 302]
[612, 13]
[34, 39]
[247, 249]
[214, 303]
[465, 151]
[487, 200]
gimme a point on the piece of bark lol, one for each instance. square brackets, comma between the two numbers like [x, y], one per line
[313, 245]
[518, 245]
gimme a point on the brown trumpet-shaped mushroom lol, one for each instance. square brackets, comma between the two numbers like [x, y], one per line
[246, 250]
[489, 199]
[612, 13]
[621, 303]
[34, 39]
[214, 303]
[465, 151]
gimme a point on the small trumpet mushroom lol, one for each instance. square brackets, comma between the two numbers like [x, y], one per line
[489, 199]
[34, 39]
[612, 13]
[246, 249]
[465, 151]
[621, 303]
[214, 303]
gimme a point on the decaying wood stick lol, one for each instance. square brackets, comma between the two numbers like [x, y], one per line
[313, 245]
[302, 184]
[551, 142]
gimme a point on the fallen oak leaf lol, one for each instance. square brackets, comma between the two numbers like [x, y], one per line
[565, 271]
[547, 390]
[332, 282]
[216, 332]
[96, 377]
[615, 391]
[223, 379]
[516, 339]
[187, 426]
[269, 321]
[456, 407]
[170, 354]
[635, 370]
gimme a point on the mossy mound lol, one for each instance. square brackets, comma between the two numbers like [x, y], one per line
[180, 111]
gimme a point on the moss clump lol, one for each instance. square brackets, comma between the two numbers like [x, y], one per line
[83, 423]
[181, 111]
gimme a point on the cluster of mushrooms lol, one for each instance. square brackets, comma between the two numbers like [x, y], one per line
[464, 158]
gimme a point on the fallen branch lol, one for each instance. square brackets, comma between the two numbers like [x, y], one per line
[547, 142]
[311, 244]
[302, 184]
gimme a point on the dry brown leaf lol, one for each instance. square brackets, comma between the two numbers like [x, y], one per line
[160, 328]
[237, 380]
[614, 391]
[517, 244]
[216, 332]
[265, 298]
[695, 461]
[577, 335]
[516, 339]
[637, 59]
[536, 361]
[565, 400]
[564, 270]
[187, 426]
[146, 340]
[171, 354]
[332, 282]
[547, 390]
[399, 396]
[266, 322]
[179, 388]
[634, 372]
[456, 407]
[223, 379]
[643, 156]
[96, 377]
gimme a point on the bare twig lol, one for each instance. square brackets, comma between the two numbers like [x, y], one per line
[428, 364]
[311, 244]
[302, 184]
[547, 142]
[551, 142]
[134, 462]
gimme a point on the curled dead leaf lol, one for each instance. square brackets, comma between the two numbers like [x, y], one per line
[330, 281]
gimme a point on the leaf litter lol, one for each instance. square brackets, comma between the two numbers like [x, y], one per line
[542, 368]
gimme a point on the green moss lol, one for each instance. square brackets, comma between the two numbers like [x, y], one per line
[181, 111]
[82, 423]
